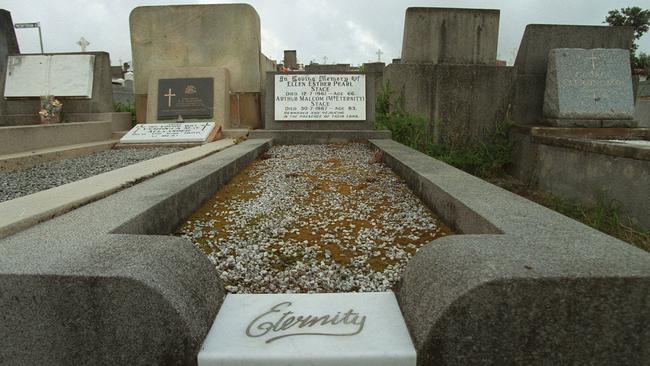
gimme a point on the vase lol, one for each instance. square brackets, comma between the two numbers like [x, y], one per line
[55, 118]
[45, 120]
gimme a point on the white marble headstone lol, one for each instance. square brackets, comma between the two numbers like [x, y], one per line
[168, 132]
[361, 329]
[58, 75]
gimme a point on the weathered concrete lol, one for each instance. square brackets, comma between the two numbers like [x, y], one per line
[529, 287]
[269, 111]
[124, 93]
[290, 59]
[43, 205]
[450, 36]
[374, 83]
[27, 138]
[532, 58]
[223, 36]
[587, 168]
[642, 112]
[95, 287]
[102, 94]
[221, 91]
[8, 42]
[307, 137]
[462, 103]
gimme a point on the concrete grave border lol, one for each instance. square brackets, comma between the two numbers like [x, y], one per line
[95, 288]
[525, 286]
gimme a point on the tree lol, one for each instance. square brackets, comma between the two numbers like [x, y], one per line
[634, 17]
[643, 62]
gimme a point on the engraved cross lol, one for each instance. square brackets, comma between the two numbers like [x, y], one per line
[593, 59]
[169, 96]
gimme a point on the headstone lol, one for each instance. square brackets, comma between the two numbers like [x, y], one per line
[588, 84]
[187, 97]
[59, 75]
[291, 59]
[192, 36]
[320, 97]
[195, 132]
[361, 329]
[450, 36]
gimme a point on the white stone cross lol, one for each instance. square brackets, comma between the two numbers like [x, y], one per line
[325, 60]
[83, 43]
[379, 53]
[169, 96]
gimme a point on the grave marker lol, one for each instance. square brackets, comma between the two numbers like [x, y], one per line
[59, 75]
[187, 97]
[320, 97]
[588, 84]
[196, 132]
[361, 329]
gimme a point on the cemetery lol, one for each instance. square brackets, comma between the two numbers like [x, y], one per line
[256, 213]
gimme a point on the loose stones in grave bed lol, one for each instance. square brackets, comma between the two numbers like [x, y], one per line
[313, 218]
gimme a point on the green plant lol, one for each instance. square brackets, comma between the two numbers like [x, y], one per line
[125, 107]
[483, 158]
[634, 17]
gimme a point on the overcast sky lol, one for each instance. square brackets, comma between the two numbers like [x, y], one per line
[344, 31]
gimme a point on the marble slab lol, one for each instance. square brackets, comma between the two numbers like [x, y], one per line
[169, 132]
[58, 75]
[320, 97]
[361, 329]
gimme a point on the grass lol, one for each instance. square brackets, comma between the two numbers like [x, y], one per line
[489, 158]
[125, 107]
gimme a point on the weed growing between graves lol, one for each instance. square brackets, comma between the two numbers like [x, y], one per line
[125, 107]
[488, 160]
[482, 158]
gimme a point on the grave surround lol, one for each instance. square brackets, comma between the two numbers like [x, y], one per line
[361, 329]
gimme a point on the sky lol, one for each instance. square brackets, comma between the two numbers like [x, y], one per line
[343, 31]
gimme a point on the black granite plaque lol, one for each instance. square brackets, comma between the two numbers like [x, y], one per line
[188, 97]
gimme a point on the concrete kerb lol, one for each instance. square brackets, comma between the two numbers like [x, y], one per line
[26, 211]
[96, 291]
[529, 286]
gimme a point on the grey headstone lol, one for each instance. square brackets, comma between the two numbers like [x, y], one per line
[583, 84]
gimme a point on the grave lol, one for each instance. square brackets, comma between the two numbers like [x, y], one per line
[589, 88]
[531, 62]
[363, 329]
[161, 133]
[232, 32]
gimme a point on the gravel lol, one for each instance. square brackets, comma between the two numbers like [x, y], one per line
[14, 184]
[313, 218]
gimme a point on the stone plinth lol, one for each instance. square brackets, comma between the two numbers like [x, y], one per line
[362, 329]
[450, 36]
[588, 84]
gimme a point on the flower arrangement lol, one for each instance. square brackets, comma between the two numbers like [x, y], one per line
[50, 109]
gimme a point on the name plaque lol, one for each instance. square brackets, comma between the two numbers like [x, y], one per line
[187, 97]
[315, 329]
[168, 132]
[320, 97]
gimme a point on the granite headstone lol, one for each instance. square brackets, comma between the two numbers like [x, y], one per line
[588, 84]
[187, 97]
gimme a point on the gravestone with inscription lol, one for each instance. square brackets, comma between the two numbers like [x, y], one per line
[197, 132]
[187, 97]
[320, 97]
[361, 329]
[588, 85]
